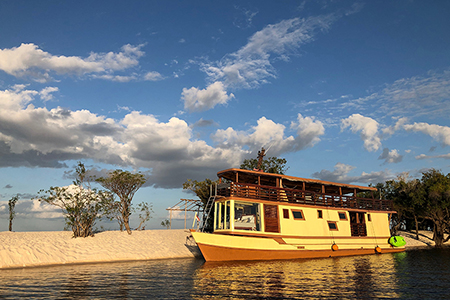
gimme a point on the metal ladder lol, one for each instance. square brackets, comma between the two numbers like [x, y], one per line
[208, 208]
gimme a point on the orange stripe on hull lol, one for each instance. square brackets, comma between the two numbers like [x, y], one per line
[218, 253]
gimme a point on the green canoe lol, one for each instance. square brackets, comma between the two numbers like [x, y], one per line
[397, 241]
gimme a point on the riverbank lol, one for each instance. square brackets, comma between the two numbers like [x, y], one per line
[31, 249]
[425, 239]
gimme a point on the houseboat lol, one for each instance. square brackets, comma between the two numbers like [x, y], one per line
[264, 216]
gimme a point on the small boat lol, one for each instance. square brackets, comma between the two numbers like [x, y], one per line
[253, 215]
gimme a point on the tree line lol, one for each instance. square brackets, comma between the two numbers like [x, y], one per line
[421, 204]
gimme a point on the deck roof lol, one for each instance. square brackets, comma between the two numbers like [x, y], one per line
[247, 176]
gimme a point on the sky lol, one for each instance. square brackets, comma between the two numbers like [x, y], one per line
[347, 91]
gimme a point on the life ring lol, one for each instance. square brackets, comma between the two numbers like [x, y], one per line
[377, 249]
[334, 247]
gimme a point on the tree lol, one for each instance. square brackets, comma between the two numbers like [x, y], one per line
[436, 208]
[425, 200]
[270, 165]
[145, 210]
[12, 204]
[81, 205]
[124, 184]
[202, 189]
[166, 223]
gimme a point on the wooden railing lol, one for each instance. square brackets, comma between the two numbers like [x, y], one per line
[358, 229]
[270, 193]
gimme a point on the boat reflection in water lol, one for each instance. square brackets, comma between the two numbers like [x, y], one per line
[365, 277]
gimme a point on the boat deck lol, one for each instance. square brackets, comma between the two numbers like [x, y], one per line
[270, 193]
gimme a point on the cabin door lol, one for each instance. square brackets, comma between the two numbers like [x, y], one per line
[271, 218]
[358, 223]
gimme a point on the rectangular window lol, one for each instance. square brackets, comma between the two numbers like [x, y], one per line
[217, 212]
[298, 215]
[342, 215]
[369, 218]
[227, 215]
[247, 216]
[286, 213]
[319, 214]
[332, 226]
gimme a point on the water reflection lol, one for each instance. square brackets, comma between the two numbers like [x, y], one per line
[409, 275]
[349, 277]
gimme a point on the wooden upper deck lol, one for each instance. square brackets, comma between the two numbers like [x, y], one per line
[275, 187]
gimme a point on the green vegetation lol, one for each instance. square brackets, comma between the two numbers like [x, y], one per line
[82, 205]
[270, 165]
[144, 210]
[124, 184]
[422, 203]
[166, 223]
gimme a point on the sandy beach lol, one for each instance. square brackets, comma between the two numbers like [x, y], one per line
[31, 249]
[425, 239]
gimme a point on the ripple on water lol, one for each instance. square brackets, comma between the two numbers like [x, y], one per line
[409, 275]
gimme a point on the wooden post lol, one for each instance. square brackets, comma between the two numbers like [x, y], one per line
[185, 214]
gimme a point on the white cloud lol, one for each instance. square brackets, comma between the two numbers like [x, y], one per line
[196, 100]
[153, 76]
[28, 209]
[46, 93]
[32, 136]
[252, 66]
[28, 60]
[437, 132]
[424, 156]
[418, 95]
[270, 134]
[340, 174]
[368, 128]
[390, 156]
[388, 131]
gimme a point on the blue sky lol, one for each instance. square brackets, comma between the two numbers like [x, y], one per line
[347, 91]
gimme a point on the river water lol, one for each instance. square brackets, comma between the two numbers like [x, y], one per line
[418, 274]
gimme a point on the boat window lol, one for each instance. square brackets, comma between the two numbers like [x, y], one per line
[319, 214]
[247, 216]
[222, 215]
[332, 225]
[342, 215]
[286, 213]
[227, 215]
[217, 217]
[298, 214]
[369, 218]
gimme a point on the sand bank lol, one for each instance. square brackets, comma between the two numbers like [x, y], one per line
[28, 249]
[425, 239]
